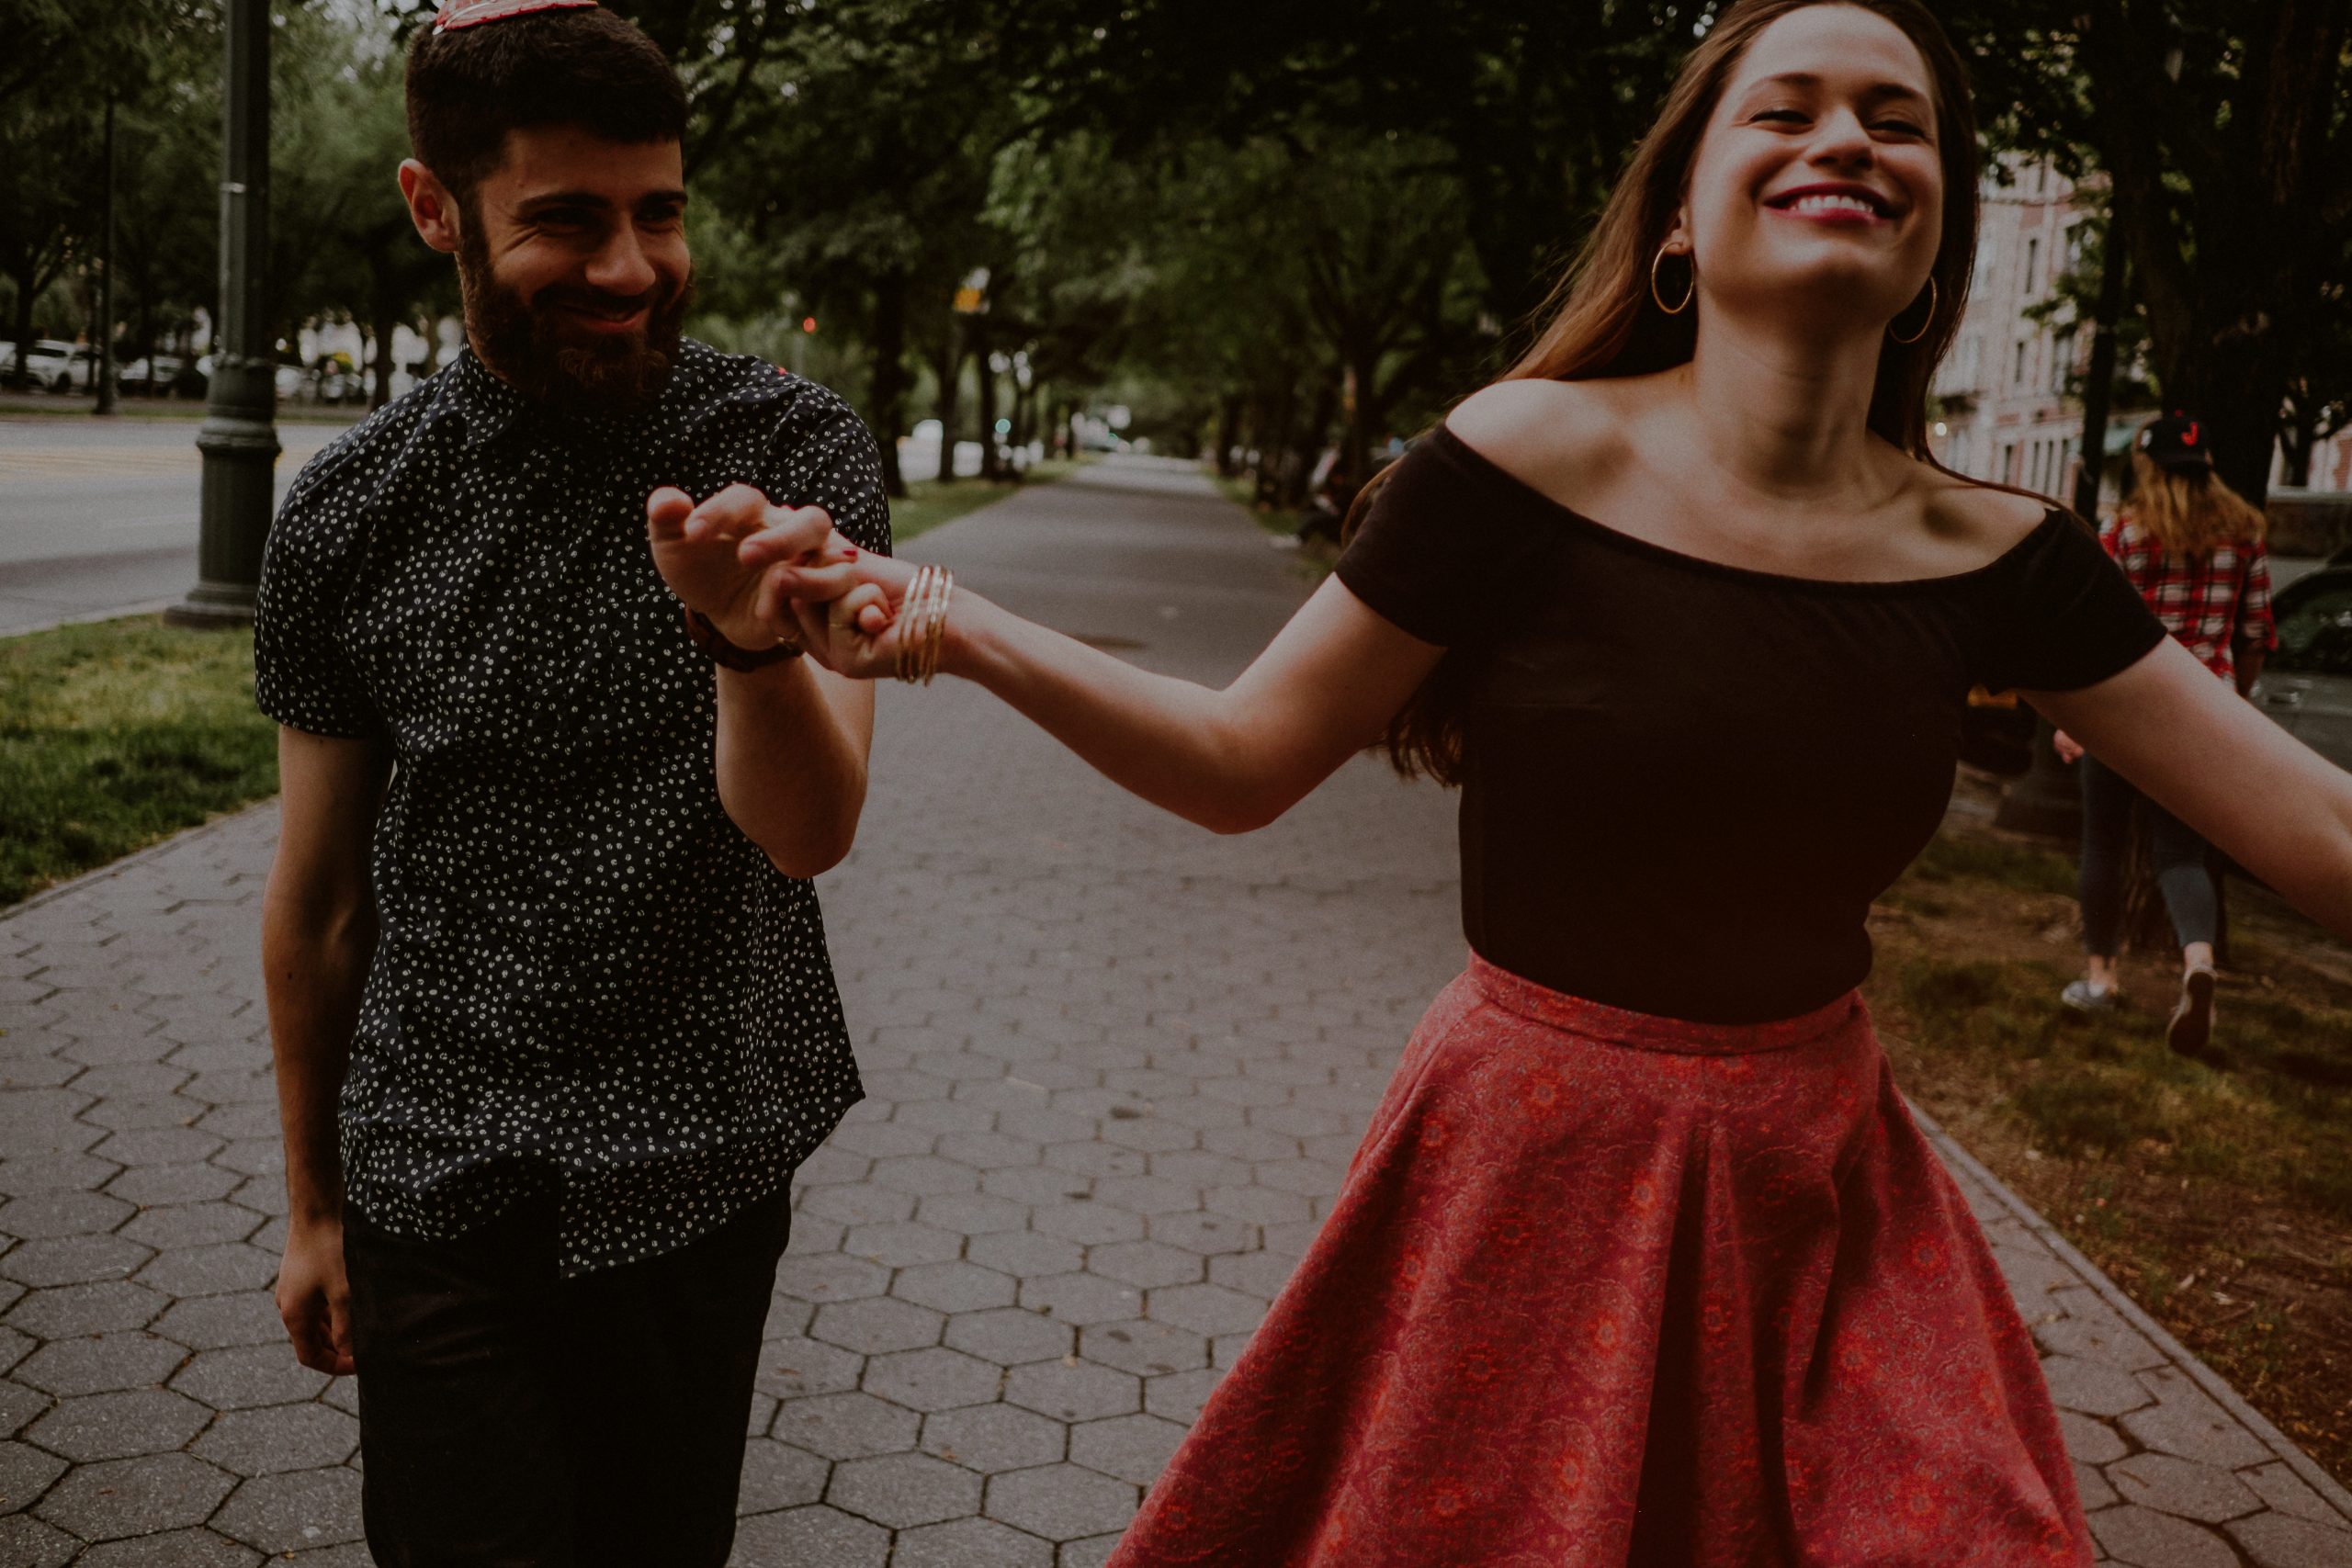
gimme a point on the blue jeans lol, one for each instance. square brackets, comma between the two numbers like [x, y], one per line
[2183, 868]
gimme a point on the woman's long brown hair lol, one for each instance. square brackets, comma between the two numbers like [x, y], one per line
[1604, 321]
[2191, 514]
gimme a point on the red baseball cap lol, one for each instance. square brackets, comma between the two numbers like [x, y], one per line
[455, 14]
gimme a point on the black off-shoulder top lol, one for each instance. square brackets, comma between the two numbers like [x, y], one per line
[1686, 781]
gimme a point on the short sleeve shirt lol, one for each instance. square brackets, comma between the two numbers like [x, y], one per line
[1685, 781]
[587, 981]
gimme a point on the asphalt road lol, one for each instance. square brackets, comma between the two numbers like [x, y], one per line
[98, 516]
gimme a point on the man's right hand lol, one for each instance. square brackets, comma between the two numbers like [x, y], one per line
[694, 548]
[314, 1297]
[2069, 749]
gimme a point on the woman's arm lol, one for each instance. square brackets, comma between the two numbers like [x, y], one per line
[2207, 756]
[1230, 759]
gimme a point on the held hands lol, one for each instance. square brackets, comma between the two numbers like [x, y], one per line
[2069, 749]
[768, 574]
[841, 602]
[694, 550]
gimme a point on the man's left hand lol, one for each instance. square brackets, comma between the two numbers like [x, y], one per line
[694, 550]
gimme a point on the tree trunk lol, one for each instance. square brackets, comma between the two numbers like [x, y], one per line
[2234, 387]
[990, 468]
[387, 328]
[2098, 380]
[1275, 448]
[1023, 409]
[23, 332]
[147, 339]
[1229, 435]
[950, 371]
[2297, 433]
[889, 402]
[1309, 446]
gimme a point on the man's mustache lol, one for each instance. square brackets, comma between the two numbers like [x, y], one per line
[566, 297]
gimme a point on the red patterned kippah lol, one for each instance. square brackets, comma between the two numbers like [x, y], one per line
[455, 14]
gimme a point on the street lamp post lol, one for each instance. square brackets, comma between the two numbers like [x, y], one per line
[239, 438]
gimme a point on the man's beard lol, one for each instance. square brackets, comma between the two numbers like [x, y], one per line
[524, 343]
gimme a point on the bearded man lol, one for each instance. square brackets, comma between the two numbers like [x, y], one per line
[549, 998]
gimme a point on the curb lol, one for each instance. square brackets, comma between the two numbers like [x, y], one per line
[2228, 1398]
[90, 617]
[115, 868]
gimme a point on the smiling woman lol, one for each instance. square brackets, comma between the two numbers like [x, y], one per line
[1687, 611]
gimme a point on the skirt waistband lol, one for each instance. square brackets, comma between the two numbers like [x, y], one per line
[1649, 1032]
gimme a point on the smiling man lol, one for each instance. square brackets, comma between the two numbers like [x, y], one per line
[551, 1029]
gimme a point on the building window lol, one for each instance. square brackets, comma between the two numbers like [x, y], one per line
[2032, 265]
[2017, 369]
[2008, 474]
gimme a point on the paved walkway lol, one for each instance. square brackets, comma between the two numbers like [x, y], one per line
[1116, 1066]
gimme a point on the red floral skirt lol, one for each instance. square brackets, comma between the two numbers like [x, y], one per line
[1604, 1289]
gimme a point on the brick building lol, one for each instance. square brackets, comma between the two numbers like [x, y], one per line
[2009, 413]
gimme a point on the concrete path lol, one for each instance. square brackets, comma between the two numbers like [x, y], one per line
[1117, 1068]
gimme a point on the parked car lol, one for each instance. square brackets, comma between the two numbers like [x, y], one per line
[54, 367]
[153, 376]
[79, 371]
[2306, 686]
[292, 380]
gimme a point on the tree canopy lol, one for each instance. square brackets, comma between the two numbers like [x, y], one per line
[1269, 227]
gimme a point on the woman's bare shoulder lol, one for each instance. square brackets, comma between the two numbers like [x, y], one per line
[1553, 436]
[1977, 520]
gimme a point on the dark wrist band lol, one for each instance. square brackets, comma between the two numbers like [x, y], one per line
[728, 655]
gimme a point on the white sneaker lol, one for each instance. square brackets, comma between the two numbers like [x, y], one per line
[2084, 997]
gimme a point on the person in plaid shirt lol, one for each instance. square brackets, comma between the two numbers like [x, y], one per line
[2194, 549]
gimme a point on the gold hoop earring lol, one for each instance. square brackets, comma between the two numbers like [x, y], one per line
[1924, 325]
[1687, 294]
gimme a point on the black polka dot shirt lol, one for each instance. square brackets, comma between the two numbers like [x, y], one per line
[587, 981]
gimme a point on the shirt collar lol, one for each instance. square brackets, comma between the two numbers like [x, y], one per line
[491, 407]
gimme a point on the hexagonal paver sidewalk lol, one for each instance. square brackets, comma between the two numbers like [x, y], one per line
[1115, 1068]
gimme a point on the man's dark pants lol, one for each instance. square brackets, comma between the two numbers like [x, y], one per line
[513, 1418]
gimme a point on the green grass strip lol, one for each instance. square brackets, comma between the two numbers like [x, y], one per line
[116, 734]
[119, 733]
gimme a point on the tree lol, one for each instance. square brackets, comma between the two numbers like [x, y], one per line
[44, 202]
[2319, 389]
[862, 162]
[65, 62]
[2221, 125]
[1528, 106]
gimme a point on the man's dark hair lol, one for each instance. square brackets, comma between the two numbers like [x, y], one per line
[468, 87]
